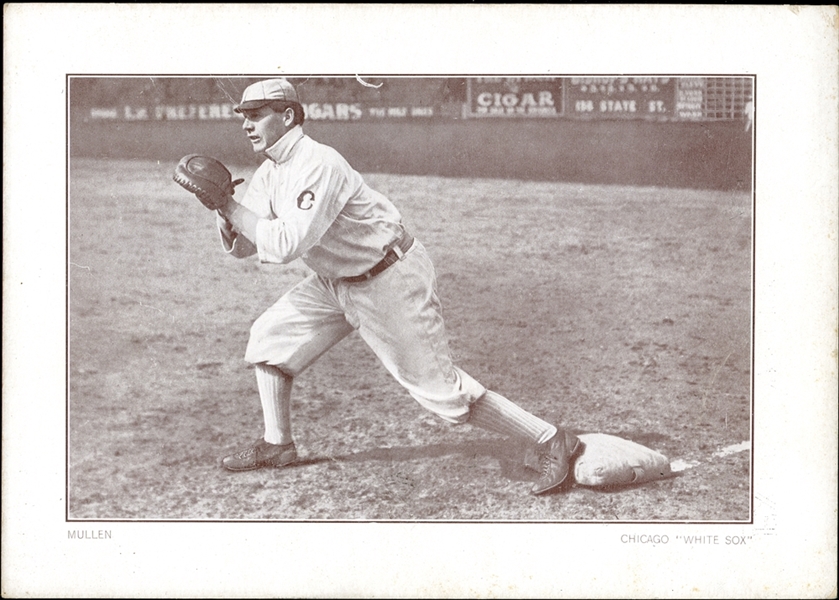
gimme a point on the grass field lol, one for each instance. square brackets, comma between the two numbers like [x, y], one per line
[623, 310]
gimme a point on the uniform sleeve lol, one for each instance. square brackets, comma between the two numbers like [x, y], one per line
[257, 200]
[232, 243]
[319, 195]
[257, 197]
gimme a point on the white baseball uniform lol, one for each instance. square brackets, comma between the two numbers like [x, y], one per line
[314, 206]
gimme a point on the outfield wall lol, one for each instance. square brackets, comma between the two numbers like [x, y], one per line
[709, 155]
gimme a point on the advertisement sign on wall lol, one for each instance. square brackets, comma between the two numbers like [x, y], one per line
[515, 96]
[620, 97]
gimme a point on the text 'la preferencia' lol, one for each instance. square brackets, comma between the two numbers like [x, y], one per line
[317, 111]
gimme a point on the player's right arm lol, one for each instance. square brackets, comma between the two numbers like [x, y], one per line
[234, 244]
[237, 221]
[281, 240]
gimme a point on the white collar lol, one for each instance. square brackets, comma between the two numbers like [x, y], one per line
[281, 149]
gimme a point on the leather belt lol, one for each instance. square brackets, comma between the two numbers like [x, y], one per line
[394, 255]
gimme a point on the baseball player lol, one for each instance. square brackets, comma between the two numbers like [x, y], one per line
[370, 275]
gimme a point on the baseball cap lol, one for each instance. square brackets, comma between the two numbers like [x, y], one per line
[262, 92]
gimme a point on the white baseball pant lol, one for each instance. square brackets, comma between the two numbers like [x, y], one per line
[397, 313]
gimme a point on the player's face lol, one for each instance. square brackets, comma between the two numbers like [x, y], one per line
[264, 127]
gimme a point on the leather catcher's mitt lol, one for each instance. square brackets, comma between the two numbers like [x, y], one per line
[207, 178]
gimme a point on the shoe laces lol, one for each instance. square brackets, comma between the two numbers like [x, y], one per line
[250, 451]
[545, 465]
[246, 453]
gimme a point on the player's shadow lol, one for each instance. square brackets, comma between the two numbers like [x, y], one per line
[510, 456]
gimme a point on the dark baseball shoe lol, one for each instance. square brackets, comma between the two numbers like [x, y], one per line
[555, 459]
[261, 454]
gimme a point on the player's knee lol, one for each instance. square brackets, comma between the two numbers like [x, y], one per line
[259, 348]
[257, 328]
[454, 410]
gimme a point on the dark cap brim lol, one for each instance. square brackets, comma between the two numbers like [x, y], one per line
[251, 105]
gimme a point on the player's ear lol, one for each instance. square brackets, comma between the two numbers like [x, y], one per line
[288, 117]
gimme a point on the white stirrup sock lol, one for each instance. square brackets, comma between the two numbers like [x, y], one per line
[275, 395]
[495, 413]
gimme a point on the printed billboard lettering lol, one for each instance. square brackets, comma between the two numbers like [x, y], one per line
[620, 97]
[515, 96]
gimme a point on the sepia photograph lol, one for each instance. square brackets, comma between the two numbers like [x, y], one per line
[285, 356]
[431, 301]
